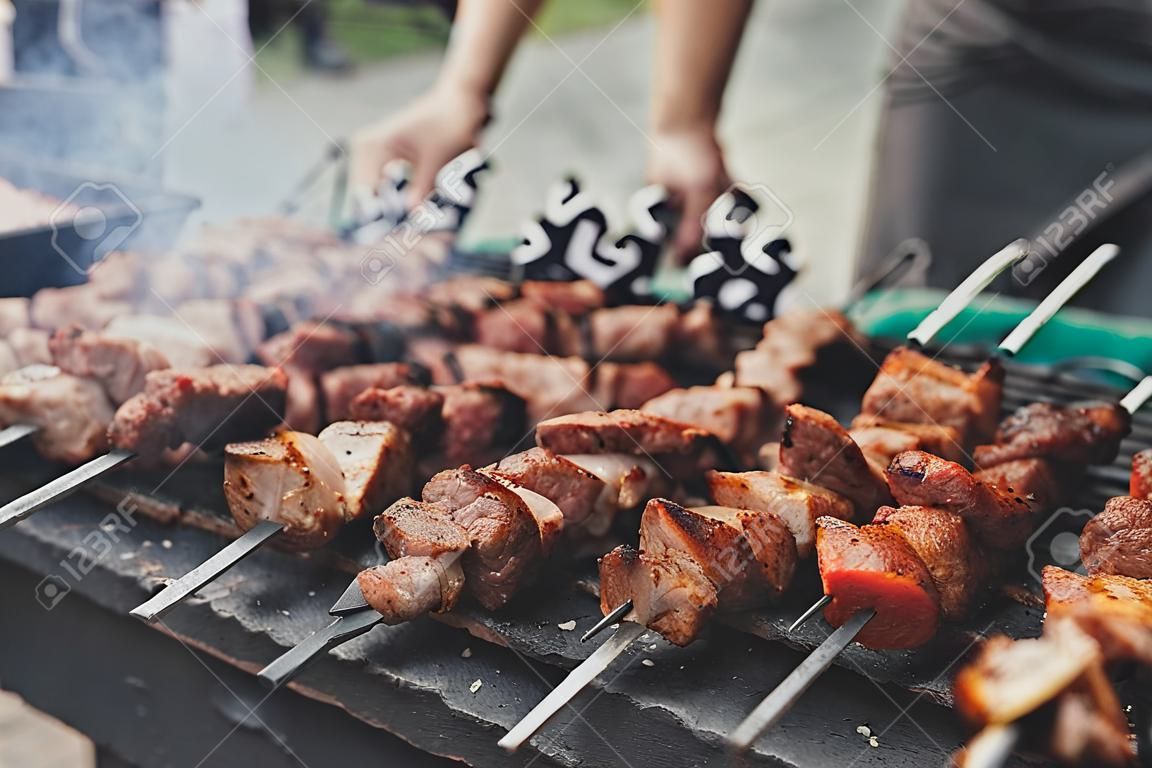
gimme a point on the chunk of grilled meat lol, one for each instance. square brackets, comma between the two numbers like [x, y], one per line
[714, 538]
[573, 297]
[376, 460]
[1081, 433]
[998, 519]
[410, 587]
[411, 528]
[1115, 610]
[795, 502]
[311, 346]
[1037, 481]
[940, 538]
[118, 364]
[576, 491]
[1089, 727]
[628, 482]
[208, 407]
[549, 385]
[880, 440]
[1141, 483]
[506, 546]
[628, 385]
[292, 479]
[873, 567]
[72, 413]
[340, 386]
[621, 431]
[479, 420]
[670, 594]
[1119, 539]
[414, 409]
[815, 448]
[741, 417]
[771, 543]
[632, 332]
[516, 326]
[914, 388]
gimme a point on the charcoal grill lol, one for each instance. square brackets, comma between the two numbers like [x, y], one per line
[161, 700]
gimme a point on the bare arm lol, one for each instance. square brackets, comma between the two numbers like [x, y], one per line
[448, 118]
[695, 50]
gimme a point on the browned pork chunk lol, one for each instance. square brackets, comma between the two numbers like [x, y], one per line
[742, 417]
[414, 409]
[340, 386]
[815, 448]
[771, 544]
[480, 419]
[1082, 433]
[622, 431]
[208, 407]
[881, 440]
[795, 502]
[629, 385]
[119, 364]
[72, 413]
[292, 479]
[1115, 610]
[409, 587]
[914, 388]
[572, 297]
[670, 595]
[1119, 539]
[941, 540]
[1037, 481]
[549, 385]
[376, 460]
[416, 528]
[1141, 484]
[632, 333]
[506, 545]
[574, 490]
[999, 519]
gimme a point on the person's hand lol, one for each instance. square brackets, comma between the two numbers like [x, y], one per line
[689, 163]
[428, 133]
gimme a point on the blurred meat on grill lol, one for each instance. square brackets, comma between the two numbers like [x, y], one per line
[71, 412]
[1076, 434]
[119, 364]
[1141, 482]
[1119, 539]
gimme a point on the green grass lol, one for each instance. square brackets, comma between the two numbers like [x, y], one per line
[376, 31]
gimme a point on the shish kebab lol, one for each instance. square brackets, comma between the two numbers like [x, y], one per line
[487, 530]
[943, 587]
[799, 503]
[1110, 613]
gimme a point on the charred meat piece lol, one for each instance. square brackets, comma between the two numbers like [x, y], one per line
[576, 491]
[795, 502]
[1082, 433]
[873, 567]
[504, 536]
[716, 542]
[341, 386]
[771, 543]
[119, 364]
[999, 519]
[407, 588]
[941, 540]
[208, 407]
[742, 417]
[914, 388]
[478, 419]
[291, 478]
[416, 528]
[1141, 485]
[622, 431]
[376, 459]
[72, 413]
[881, 440]
[1037, 481]
[815, 448]
[1119, 539]
[670, 595]
[1115, 610]
[413, 409]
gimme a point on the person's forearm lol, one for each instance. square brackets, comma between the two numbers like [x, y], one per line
[695, 50]
[484, 35]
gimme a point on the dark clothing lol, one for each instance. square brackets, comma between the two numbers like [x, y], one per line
[1003, 112]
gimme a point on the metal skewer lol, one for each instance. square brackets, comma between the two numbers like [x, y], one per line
[341, 629]
[616, 615]
[207, 572]
[61, 487]
[812, 611]
[16, 432]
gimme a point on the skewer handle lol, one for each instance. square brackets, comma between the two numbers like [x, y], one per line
[16, 432]
[577, 679]
[61, 487]
[968, 290]
[1139, 395]
[1060, 296]
[340, 630]
[207, 572]
[773, 707]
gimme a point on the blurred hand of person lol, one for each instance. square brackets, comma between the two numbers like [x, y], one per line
[689, 163]
[429, 132]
